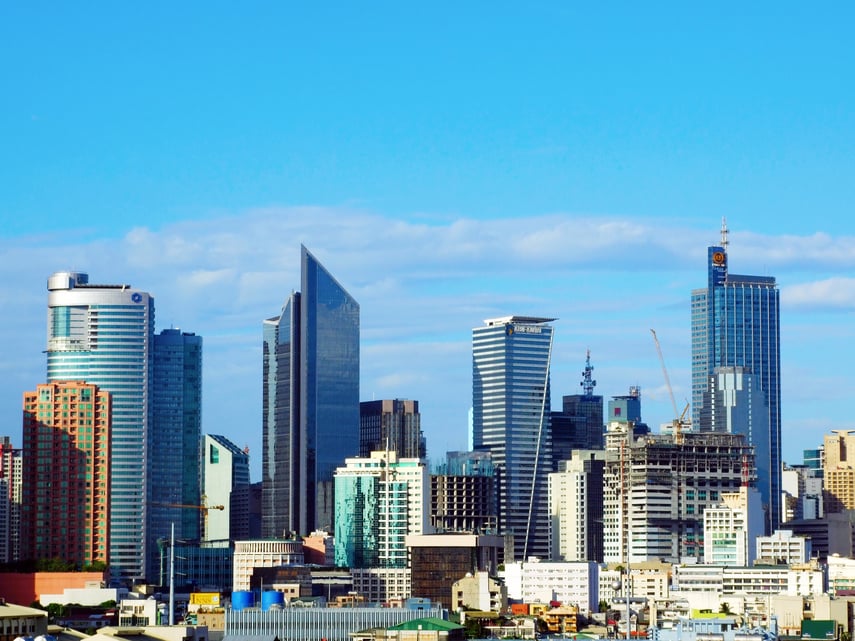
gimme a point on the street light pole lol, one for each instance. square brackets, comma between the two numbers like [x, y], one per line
[171, 618]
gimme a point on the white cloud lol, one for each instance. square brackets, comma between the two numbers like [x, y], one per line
[422, 286]
[830, 293]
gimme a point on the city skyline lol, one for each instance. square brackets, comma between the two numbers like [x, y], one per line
[449, 164]
[622, 351]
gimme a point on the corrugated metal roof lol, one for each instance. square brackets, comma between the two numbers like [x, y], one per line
[428, 623]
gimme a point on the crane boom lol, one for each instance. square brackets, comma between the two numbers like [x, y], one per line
[665, 373]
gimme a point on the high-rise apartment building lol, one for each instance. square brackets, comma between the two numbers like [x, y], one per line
[579, 425]
[379, 501]
[391, 424]
[839, 471]
[736, 323]
[657, 487]
[510, 419]
[576, 508]
[176, 428]
[66, 486]
[10, 501]
[102, 334]
[310, 402]
[225, 469]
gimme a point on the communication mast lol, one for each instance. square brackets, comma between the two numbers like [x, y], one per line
[588, 383]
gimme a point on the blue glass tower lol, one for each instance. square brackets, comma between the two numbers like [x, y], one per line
[311, 402]
[736, 323]
[102, 334]
[510, 419]
[176, 430]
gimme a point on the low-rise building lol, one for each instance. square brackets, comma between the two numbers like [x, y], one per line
[479, 591]
[381, 585]
[266, 553]
[19, 621]
[783, 548]
[571, 583]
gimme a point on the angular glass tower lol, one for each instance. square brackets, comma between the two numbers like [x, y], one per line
[102, 334]
[310, 402]
[510, 414]
[736, 323]
[176, 430]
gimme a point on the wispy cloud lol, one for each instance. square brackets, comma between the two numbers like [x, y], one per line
[829, 293]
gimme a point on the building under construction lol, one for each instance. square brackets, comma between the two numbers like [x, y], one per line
[656, 488]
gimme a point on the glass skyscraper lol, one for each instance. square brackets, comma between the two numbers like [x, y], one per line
[736, 323]
[102, 334]
[176, 430]
[511, 411]
[310, 402]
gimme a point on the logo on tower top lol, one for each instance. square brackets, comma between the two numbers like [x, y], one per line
[136, 297]
[718, 258]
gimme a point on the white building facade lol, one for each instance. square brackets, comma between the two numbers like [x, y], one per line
[731, 527]
[571, 583]
[268, 553]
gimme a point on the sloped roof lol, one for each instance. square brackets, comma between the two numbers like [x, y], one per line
[428, 623]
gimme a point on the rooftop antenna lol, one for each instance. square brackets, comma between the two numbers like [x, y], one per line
[724, 233]
[588, 383]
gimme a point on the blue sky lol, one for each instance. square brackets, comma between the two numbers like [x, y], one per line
[448, 162]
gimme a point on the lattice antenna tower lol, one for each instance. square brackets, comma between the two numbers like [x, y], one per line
[588, 383]
[724, 233]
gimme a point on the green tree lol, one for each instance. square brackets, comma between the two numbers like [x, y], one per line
[725, 608]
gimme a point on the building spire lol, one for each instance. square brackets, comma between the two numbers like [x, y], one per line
[588, 383]
[724, 233]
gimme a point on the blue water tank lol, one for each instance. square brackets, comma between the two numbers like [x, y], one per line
[242, 599]
[272, 598]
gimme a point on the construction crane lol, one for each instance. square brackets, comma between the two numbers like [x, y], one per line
[678, 420]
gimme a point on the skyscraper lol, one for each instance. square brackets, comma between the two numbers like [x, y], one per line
[735, 323]
[102, 334]
[65, 512]
[310, 402]
[511, 410]
[176, 428]
[391, 424]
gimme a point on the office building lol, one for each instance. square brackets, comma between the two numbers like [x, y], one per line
[576, 508]
[579, 425]
[245, 507]
[379, 501]
[393, 425]
[438, 560]
[511, 411]
[176, 430]
[10, 501]
[102, 334]
[463, 494]
[736, 323]
[732, 527]
[839, 471]
[310, 402]
[66, 478]
[657, 487]
[225, 469]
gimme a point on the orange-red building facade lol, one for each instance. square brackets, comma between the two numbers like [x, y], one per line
[66, 473]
